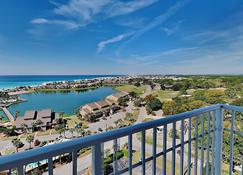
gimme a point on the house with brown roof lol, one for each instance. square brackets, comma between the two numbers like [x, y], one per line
[46, 116]
[30, 115]
[102, 104]
[98, 109]
[114, 97]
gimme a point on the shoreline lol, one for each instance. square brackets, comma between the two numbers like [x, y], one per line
[37, 84]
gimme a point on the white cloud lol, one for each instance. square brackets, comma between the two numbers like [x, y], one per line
[67, 24]
[121, 8]
[101, 45]
[84, 11]
[79, 13]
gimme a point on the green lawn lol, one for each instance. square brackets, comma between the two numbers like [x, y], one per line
[71, 120]
[164, 95]
[62, 90]
[131, 88]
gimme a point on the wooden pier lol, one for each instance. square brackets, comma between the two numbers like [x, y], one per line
[8, 114]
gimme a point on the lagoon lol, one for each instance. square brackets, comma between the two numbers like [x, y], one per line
[67, 102]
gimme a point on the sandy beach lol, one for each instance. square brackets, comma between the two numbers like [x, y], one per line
[19, 92]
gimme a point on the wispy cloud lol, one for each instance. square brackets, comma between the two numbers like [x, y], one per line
[132, 22]
[79, 13]
[101, 45]
[121, 8]
[67, 24]
[157, 21]
[172, 29]
[158, 57]
[223, 54]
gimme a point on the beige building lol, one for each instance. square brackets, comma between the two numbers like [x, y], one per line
[98, 109]
[114, 97]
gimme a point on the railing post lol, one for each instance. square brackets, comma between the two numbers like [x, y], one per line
[218, 141]
[115, 157]
[97, 159]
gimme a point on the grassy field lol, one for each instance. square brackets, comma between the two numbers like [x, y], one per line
[164, 95]
[131, 88]
[72, 120]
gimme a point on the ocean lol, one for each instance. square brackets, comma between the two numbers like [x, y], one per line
[12, 81]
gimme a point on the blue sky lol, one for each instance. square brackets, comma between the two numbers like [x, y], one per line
[121, 37]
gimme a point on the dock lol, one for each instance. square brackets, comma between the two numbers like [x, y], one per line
[8, 114]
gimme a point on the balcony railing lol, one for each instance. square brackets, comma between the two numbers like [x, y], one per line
[203, 136]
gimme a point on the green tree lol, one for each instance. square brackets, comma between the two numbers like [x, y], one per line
[199, 94]
[149, 98]
[169, 107]
[154, 105]
[38, 124]
[122, 101]
[24, 127]
[138, 102]
[60, 129]
[17, 143]
[133, 94]
[30, 139]
[33, 125]
[16, 114]
[231, 92]
[183, 91]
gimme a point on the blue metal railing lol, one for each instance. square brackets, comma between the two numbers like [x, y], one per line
[210, 120]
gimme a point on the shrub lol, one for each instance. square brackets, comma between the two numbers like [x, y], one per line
[154, 105]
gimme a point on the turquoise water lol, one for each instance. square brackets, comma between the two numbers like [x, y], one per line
[67, 102]
[12, 81]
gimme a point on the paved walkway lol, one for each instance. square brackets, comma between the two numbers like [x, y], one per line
[142, 114]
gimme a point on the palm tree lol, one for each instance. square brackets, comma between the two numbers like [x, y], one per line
[17, 143]
[39, 123]
[16, 114]
[33, 125]
[60, 129]
[24, 127]
[30, 139]
[80, 132]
